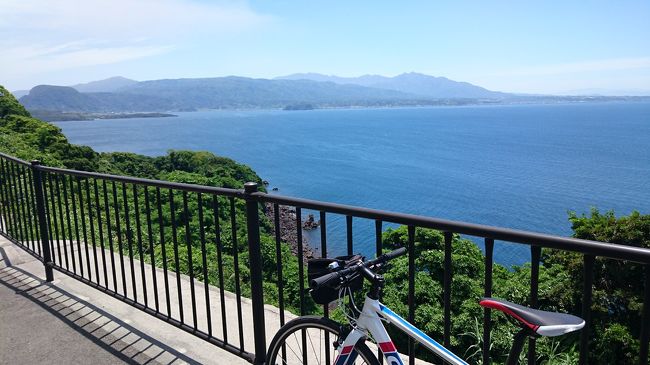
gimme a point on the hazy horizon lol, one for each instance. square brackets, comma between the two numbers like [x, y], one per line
[585, 92]
[537, 48]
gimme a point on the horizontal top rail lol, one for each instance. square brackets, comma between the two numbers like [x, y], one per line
[610, 250]
[149, 182]
[14, 159]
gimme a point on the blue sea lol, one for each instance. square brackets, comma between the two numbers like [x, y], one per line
[515, 166]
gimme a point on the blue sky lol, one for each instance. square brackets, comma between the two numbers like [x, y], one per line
[515, 46]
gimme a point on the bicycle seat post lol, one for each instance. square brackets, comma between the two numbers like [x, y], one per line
[517, 344]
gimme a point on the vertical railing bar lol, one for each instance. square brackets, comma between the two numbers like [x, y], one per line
[323, 254]
[301, 268]
[26, 171]
[4, 202]
[204, 258]
[40, 208]
[3, 212]
[487, 292]
[163, 252]
[278, 258]
[11, 202]
[129, 240]
[323, 248]
[235, 249]
[644, 337]
[411, 289]
[535, 254]
[3, 215]
[83, 228]
[378, 251]
[152, 256]
[52, 217]
[100, 231]
[28, 204]
[21, 210]
[92, 230]
[301, 277]
[447, 288]
[11, 219]
[256, 275]
[76, 225]
[109, 233]
[348, 230]
[190, 258]
[19, 206]
[120, 244]
[17, 215]
[378, 238]
[14, 206]
[177, 264]
[586, 308]
[218, 244]
[49, 215]
[60, 206]
[136, 205]
[34, 210]
[69, 222]
[47, 194]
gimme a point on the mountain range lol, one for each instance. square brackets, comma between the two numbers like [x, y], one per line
[411, 83]
[119, 94]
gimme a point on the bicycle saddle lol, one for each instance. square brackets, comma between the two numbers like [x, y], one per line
[541, 322]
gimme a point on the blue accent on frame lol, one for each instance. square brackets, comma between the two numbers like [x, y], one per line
[415, 330]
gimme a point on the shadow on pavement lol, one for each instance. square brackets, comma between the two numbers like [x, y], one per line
[103, 329]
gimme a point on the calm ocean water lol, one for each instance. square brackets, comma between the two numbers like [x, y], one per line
[519, 166]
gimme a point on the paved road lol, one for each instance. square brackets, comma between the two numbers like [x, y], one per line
[43, 323]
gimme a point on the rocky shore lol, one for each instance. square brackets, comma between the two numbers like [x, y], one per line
[289, 229]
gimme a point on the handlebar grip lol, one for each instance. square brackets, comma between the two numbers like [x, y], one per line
[396, 253]
[327, 278]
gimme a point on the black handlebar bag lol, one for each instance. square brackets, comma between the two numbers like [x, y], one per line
[319, 267]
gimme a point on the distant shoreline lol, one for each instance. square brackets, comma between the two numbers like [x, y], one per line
[56, 116]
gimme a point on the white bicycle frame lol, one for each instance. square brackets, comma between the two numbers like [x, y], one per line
[370, 321]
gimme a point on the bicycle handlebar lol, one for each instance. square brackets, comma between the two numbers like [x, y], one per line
[337, 275]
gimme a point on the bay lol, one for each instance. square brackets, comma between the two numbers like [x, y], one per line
[515, 166]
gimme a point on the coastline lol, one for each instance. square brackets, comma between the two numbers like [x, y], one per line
[289, 229]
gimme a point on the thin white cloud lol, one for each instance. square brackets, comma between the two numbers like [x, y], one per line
[39, 36]
[615, 64]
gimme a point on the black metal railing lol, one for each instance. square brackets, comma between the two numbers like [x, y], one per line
[135, 239]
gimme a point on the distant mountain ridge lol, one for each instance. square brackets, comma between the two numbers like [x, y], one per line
[119, 94]
[68, 99]
[210, 93]
[412, 83]
[107, 85]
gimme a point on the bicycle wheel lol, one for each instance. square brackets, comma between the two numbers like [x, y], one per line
[290, 347]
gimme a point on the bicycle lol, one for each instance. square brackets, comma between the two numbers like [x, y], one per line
[339, 344]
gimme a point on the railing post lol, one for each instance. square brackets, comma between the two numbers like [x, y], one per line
[42, 220]
[586, 307]
[255, 255]
[645, 320]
